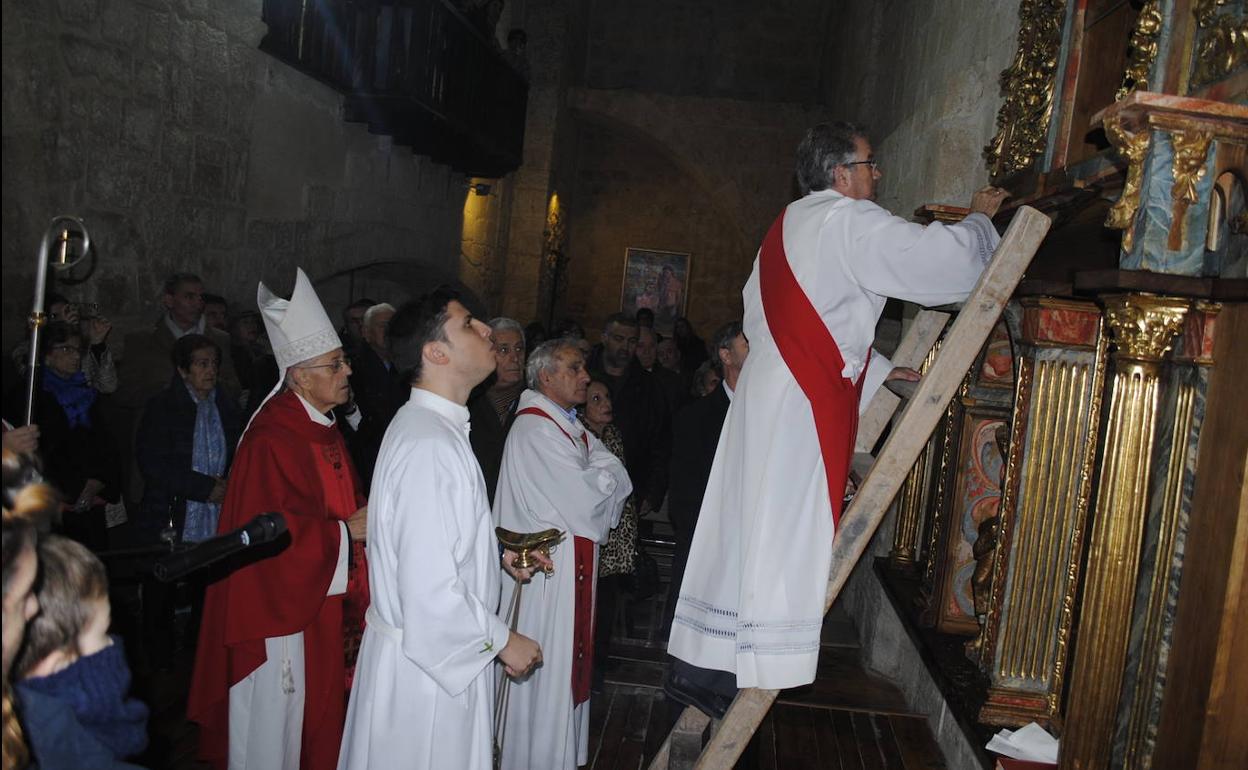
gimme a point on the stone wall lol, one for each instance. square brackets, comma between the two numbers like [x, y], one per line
[629, 192]
[923, 75]
[708, 177]
[186, 148]
[766, 52]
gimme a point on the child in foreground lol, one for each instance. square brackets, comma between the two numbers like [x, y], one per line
[69, 656]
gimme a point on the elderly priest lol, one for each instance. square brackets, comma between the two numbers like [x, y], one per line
[556, 474]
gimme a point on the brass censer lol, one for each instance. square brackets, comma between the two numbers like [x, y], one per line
[525, 543]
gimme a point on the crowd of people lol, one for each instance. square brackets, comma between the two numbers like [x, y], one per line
[374, 631]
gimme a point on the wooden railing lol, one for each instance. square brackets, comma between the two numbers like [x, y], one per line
[418, 70]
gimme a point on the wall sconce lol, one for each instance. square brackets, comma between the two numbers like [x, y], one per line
[480, 188]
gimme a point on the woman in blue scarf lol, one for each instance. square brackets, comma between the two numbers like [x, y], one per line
[185, 444]
[78, 453]
[184, 447]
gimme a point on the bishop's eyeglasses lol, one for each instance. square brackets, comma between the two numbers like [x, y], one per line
[336, 365]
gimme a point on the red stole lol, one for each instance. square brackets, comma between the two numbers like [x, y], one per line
[289, 464]
[812, 356]
[583, 619]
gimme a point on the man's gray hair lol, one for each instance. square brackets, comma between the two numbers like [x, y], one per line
[373, 311]
[825, 147]
[725, 334]
[545, 358]
[505, 324]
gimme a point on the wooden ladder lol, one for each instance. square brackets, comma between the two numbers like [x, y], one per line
[922, 413]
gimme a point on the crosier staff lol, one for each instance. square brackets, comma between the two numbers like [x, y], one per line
[59, 229]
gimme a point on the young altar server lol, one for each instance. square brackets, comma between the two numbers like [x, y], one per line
[424, 681]
[556, 474]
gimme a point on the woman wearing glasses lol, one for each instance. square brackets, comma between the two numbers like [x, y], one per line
[78, 452]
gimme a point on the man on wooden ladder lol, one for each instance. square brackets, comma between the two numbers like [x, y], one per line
[752, 600]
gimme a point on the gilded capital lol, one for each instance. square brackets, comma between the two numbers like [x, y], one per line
[1144, 325]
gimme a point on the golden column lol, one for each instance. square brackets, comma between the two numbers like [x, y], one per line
[913, 498]
[1143, 327]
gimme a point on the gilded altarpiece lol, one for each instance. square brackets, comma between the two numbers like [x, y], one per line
[1143, 104]
[1044, 512]
[1182, 411]
[915, 495]
[975, 485]
[1144, 327]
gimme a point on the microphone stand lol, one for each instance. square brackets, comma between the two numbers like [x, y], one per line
[37, 316]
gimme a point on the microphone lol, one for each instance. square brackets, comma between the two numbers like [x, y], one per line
[264, 528]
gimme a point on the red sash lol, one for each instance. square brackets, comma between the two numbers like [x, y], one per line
[814, 359]
[583, 620]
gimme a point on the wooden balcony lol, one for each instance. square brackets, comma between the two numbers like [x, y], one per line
[417, 70]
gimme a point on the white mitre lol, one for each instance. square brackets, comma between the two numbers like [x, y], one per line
[299, 328]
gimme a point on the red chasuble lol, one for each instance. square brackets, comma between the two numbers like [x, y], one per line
[289, 464]
[814, 360]
[583, 617]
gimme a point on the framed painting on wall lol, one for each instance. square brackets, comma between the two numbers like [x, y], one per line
[658, 280]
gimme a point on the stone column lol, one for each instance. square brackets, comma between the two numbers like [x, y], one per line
[535, 182]
[1143, 327]
[1044, 508]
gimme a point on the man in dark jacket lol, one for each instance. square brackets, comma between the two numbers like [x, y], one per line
[673, 384]
[492, 406]
[695, 435]
[378, 388]
[641, 410]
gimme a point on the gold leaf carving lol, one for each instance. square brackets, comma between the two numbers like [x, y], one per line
[1191, 148]
[1144, 42]
[1222, 42]
[1144, 325]
[1133, 147]
[1028, 84]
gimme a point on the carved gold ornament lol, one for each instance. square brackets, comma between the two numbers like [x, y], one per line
[1190, 151]
[1133, 147]
[1144, 43]
[1144, 325]
[1028, 84]
[1222, 45]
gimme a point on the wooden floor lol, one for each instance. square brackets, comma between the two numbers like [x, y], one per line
[847, 719]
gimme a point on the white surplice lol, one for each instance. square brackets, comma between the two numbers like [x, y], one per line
[752, 597]
[549, 478]
[424, 682]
